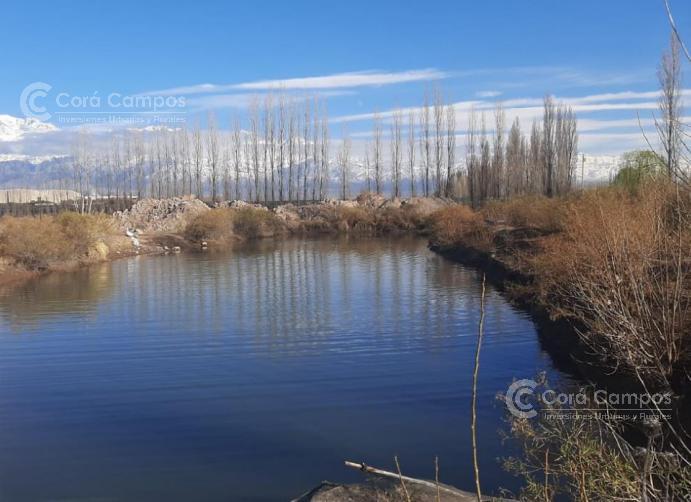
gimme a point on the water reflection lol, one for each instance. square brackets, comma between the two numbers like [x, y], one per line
[251, 374]
[54, 295]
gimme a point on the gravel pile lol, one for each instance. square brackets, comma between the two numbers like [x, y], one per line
[160, 215]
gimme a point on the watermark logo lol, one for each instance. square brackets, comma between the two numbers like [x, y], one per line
[31, 108]
[527, 398]
[516, 398]
[40, 101]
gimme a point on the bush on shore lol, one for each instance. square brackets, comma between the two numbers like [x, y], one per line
[224, 225]
[42, 243]
[577, 451]
[534, 211]
[614, 262]
[457, 225]
[620, 268]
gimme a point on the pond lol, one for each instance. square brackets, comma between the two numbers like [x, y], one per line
[253, 374]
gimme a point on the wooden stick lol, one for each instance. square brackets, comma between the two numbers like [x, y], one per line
[473, 422]
[387, 474]
[400, 478]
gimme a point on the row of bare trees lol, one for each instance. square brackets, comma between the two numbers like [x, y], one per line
[430, 150]
[283, 154]
[543, 163]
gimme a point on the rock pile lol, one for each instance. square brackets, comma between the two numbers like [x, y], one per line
[160, 215]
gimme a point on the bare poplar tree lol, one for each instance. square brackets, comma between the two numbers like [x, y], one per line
[547, 143]
[377, 154]
[471, 159]
[176, 162]
[272, 149]
[281, 145]
[535, 180]
[116, 164]
[669, 128]
[485, 164]
[128, 165]
[368, 167]
[324, 179]
[291, 150]
[139, 161]
[565, 148]
[396, 153]
[411, 151]
[212, 154]
[237, 155]
[425, 143]
[514, 160]
[498, 176]
[438, 141]
[254, 137]
[306, 150]
[450, 148]
[198, 160]
[316, 149]
[344, 166]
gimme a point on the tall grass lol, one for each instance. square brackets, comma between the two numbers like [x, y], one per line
[40, 243]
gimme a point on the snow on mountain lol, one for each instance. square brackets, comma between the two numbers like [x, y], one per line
[29, 159]
[15, 128]
[596, 168]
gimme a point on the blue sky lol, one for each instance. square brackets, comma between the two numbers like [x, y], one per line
[514, 51]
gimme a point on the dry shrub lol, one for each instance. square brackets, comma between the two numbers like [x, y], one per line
[222, 225]
[459, 224]
[251, 223]
[401, 219]
[528, 211]
[578, 452]
[215, 225]
[84, 230]
[39, 243]
[356, 219]
[620, 268]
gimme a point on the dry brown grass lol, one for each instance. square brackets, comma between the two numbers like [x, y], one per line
[42, 243]
[215, 225]
[620, 267]
[251, 223]
[578, 452]
[459, 224]
[222, 226]
[528, 211]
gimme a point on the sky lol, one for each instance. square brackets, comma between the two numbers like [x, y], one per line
[359, 57]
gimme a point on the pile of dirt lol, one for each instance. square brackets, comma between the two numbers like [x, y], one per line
[424, 206]
[240, 204]
[160, 215]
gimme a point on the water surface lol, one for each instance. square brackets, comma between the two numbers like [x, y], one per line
[252, 375]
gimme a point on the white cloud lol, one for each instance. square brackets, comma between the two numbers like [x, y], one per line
[488, 94]
[243, 100]
[370, 78]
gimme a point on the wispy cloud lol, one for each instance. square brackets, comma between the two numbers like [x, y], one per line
[244, 100]
[369, 78]
[488, 94]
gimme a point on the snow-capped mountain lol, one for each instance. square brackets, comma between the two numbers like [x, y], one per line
[29, 159]
[596, 168]
[15, 128]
